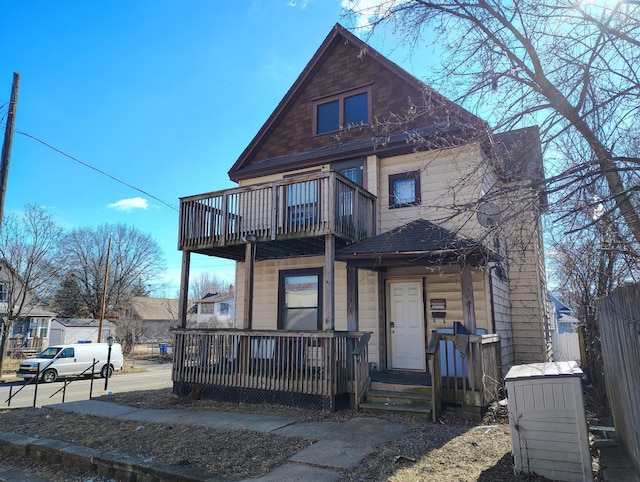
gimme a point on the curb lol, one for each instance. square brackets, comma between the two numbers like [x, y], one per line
[108, 464]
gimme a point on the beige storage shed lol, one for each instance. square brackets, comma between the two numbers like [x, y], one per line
[547, 421]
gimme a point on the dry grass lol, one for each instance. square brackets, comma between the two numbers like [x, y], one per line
[453, 450]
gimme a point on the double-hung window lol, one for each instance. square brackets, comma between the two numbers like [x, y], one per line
[343, 110]
[4, 292]
[300, 299]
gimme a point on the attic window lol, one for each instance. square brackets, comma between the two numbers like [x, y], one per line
[342, 110]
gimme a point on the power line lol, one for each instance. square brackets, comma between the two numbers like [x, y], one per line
[96, 169]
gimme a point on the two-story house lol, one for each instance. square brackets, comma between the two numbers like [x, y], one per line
[372, 217]
[214, 310]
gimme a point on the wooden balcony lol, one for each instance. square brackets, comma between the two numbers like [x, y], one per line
[322, 370]
[285, 218]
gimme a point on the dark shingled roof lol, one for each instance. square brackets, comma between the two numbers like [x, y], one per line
[418, 236]
[518, 155]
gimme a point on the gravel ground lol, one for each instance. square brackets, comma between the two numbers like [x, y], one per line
[453, 450]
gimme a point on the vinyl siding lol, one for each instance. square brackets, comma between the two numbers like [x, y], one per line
[441, 194]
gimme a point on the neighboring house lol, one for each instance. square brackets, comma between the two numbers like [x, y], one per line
[215, 310]
[157, 317]
[31, 334]
[66, 331]
[565, 337]
[371, 213]
[30, 330]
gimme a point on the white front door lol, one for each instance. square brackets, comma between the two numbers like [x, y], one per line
[406, 325]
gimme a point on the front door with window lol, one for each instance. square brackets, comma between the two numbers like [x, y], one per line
[406, 325]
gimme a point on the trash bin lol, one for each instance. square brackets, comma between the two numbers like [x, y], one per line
[163, 348]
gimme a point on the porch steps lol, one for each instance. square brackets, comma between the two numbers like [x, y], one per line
[398, 398]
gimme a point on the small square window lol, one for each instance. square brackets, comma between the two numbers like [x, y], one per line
[404, 189]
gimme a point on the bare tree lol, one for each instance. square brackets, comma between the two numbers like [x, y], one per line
[135, 259]
[585, 268]
[128, 332]
[31, 260]
[571, 67]
[207, 283]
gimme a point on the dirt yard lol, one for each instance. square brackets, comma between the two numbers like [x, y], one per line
[453, 450]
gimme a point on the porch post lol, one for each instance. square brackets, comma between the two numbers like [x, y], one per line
[468, 305]
[249, 256]
[184, 288]
[353, 323]
[328, 309]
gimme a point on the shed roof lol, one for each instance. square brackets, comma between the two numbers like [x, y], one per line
[80, 322]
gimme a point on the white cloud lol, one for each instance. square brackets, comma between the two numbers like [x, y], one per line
[129, 204]
[367, 11]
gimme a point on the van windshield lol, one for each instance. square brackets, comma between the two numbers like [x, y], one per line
[50, 352]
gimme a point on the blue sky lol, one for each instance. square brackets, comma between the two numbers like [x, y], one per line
[163, 95]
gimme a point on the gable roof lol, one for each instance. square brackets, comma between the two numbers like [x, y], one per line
[415, 239]
[215, 297]
[339, 35]
[154, 308]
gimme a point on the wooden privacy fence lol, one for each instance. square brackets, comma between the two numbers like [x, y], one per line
[618, 317]
[317, 363]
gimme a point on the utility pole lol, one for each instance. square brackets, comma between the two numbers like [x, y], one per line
[8, 141]
[104, 292]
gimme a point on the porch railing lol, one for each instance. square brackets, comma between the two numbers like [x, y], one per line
[19, 348]
[362, 379]
[317, 363]
[466, 369]
[305, 205]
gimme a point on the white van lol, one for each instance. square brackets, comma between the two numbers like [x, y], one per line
[67, 360]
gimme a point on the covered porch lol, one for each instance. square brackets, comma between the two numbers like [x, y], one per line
[328, 371]
[320, 225]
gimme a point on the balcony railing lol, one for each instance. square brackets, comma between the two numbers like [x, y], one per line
[301, 206]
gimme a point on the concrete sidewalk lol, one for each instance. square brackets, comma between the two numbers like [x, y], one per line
[338, 446]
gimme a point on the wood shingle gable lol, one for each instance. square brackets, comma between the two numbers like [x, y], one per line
[398, 103]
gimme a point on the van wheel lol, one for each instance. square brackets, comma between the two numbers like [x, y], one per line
[49, 376]
[103, 372]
